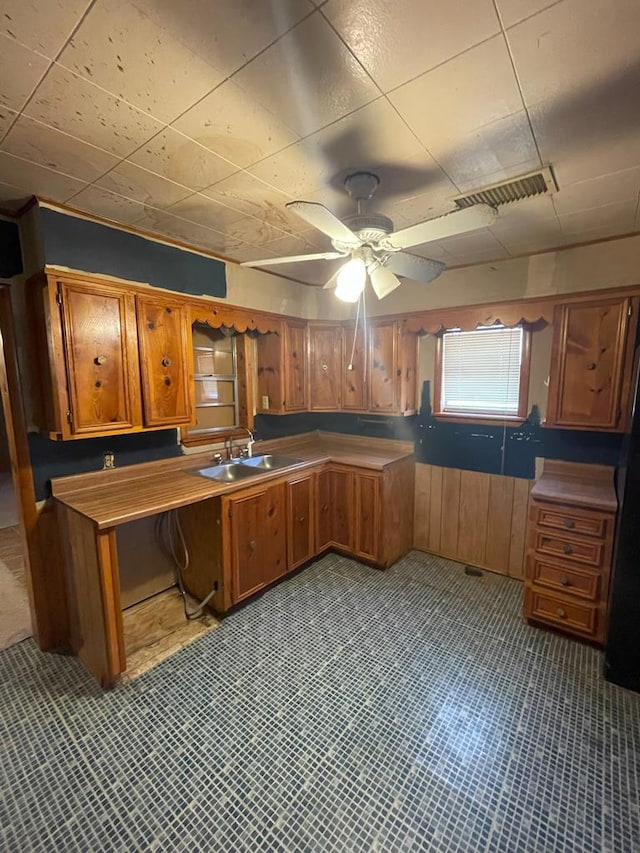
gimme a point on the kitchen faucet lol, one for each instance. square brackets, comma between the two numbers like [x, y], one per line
[247, 451]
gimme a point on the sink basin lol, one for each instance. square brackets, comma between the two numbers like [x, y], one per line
[270, 462]
[229, 473]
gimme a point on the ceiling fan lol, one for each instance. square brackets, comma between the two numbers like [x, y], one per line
[373, 247]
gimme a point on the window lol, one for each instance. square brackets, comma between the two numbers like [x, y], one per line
[215, 360]
[483, 373]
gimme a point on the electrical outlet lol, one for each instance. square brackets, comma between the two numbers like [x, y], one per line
[108, 460]
[265, 402]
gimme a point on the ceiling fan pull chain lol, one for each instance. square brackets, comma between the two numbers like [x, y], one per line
[355, 335]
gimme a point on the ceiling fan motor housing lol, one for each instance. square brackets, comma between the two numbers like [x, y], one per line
[370, 227]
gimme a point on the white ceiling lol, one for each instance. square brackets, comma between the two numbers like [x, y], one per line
[200, 120]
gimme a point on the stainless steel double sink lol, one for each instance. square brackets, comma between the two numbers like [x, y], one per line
[240, 469]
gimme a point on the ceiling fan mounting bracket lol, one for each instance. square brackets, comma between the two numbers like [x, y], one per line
[361, 186]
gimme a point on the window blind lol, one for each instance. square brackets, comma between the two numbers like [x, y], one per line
[481, 371]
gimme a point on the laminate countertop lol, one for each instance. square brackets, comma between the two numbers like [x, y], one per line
[114, 497]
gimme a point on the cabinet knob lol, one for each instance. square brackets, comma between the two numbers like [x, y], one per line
[169, 310]
[567, 549]
[570, 523]
[561, 612]
[592, 365]
[166, 362]
[252, 544]
[301, 519]
[564, 580]
[100, 359]
[98, 384]
[325, 367]
[167, 381]
[151, 326]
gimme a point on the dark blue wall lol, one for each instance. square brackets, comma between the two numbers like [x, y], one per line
[93, 247]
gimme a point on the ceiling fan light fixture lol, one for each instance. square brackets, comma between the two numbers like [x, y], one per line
[351, 280]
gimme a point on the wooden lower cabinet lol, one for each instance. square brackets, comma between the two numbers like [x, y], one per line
[569, 549]
[255, 538]
[367, 517]
[335, 508]
[300, 520]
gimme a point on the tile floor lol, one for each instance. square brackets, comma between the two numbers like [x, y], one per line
[344, 710]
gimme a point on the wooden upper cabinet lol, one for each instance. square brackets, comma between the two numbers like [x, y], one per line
[325, 367]
[383, 367]
[295, 366]
[98, 337]
[355, 392]
[591, 356]
[282, 369]
[164, 334]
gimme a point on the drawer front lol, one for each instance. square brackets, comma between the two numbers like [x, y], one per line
[571, 580]
[559, 519]
[585, 551]
[558, 611]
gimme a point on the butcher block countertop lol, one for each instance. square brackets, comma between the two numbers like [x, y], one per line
[110, 498]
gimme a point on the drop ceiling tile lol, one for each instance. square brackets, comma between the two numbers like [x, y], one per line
[319, 81]
[525, 215]
[373, 137]
[42, 144]
[252, 197]
[192, 233]
[299, 244]
[307, 272]
[472, 243]
[139, 184]
[617, 218]
[108, 205]
[20, 71]
[396, 40]
[141, 58]
[204, 211]
[252, 253]
[81, 109]
[513, 11]
[43, 27]
[232, 122]
[36, 179]
[519, 236]
[577, 53]
[179, 159]
[607, 189]
[7, 117]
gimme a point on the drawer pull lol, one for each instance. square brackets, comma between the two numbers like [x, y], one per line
[561, 612]
[567, 549]
[569, 523]
[564, 580]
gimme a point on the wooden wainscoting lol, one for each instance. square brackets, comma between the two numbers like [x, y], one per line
[472, 517]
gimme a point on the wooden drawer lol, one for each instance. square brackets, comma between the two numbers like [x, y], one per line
[582, 618]
[563, 578]
[571, 521]
[589, 552]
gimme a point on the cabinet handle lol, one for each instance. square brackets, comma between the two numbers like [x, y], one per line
[567, 549]
[564, 580]
[591, 366]
[166, 362]
[561, 612]
[570, 523]
[100, 359]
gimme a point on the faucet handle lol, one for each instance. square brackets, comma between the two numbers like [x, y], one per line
[217, 458]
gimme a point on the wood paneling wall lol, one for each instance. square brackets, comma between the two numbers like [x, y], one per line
[472, 517]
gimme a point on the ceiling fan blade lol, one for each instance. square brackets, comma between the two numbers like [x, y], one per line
[412, 266]
[476, 216]
[321, 218]
[383, 281]
[294, 259]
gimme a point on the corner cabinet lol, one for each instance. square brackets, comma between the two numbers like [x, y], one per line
[115, 361]
[591, 363]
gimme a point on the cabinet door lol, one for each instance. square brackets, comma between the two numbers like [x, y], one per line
[100, 351]
[408, 369]
[324, 367]
[295, 373]
[257, 536]
[367, 516]
[335, 509]
[383, 370]
[300, 520]
[588, 364]
[354, 386]
[270, 357]
[165, 353]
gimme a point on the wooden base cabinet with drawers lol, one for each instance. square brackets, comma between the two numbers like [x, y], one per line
[569, 549]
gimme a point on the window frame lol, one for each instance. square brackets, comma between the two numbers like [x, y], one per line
[485, 417]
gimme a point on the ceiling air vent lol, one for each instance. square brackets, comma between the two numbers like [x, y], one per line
[536, 183]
